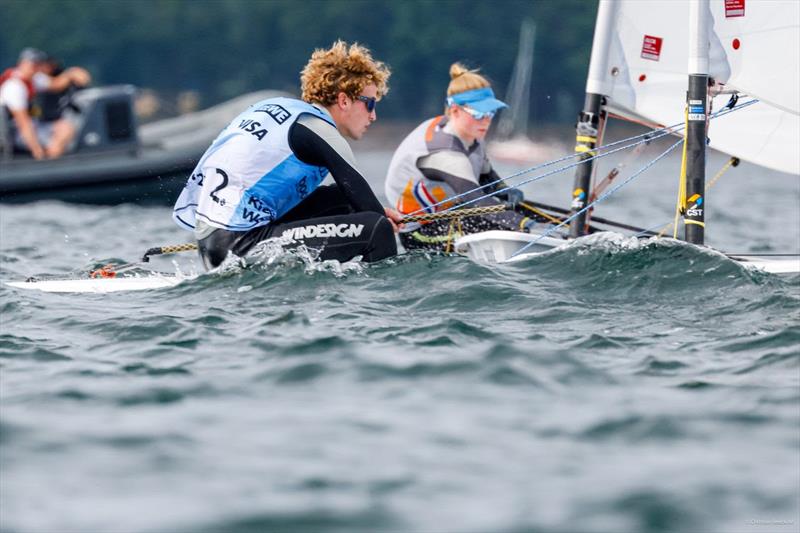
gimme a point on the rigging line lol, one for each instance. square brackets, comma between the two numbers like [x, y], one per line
[602, 125]
[650, 231]
[598, 220]
[600, 199]
[733, 161]
[665, 229]
[598, 188]
[535, 211]
[170, 249]
[542, 176]
[633, 121]
[680, 206]
[656, 134]
[458, 213]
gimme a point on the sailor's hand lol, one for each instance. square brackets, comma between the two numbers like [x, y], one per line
[79, 76]
[528, 225]
[38, 152]
[394, 217]
[512, 196]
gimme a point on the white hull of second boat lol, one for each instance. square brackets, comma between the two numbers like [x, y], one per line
[498, 246]
[507, 247]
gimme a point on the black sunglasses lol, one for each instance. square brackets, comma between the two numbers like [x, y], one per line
[369, 101]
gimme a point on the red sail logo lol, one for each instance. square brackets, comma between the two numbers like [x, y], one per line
[734, 8]
[651, 47]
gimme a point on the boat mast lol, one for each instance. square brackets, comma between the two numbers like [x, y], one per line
[589, 118]
[696, 96]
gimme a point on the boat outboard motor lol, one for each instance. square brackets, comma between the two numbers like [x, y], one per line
[106, 120]
[6, 139]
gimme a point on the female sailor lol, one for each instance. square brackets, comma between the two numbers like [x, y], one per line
[444, 157]
[261, 176]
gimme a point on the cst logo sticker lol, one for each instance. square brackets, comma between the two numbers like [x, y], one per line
[578, 195]
[695, 210]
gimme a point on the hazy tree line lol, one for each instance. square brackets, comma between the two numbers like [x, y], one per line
[224, 48]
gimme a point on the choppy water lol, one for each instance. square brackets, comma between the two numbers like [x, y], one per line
[602, 388]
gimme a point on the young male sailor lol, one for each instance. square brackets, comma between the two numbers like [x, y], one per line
[261, 177]
[445, 156]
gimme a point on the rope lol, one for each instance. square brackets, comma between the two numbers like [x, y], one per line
[646, 137]
[170, 249]
[110, 270]
[605, 182]
[732, 162]
[600, 199]
[539, 212]
[452, 234]
[652, 136]
[680, 206]
[458, 213]
[542, 176]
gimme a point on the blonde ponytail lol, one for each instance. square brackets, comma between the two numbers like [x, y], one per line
[463, 79]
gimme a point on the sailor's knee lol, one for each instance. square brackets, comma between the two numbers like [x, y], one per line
[211, 257]
[382, 241]
[215, 247]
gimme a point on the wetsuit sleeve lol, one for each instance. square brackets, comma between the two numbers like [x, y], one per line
[492, 183]
[318, 143]
[490, 177]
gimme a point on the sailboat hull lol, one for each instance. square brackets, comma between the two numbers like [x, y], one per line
[510, 247]
[99, 285]
[498, 246]
[787, 265]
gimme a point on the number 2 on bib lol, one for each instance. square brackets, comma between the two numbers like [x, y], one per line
[213, 194]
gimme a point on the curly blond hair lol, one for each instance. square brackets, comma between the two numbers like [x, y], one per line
[342, 69]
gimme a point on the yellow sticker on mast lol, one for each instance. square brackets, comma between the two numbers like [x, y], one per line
[578, 197]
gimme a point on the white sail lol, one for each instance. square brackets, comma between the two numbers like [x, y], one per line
[754, 48]
[511, 143]
[514, 121]
[763, 50]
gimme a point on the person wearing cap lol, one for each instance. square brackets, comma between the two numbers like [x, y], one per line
[18, 87]
[445, 157]
[261, 177]
[53, 102]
